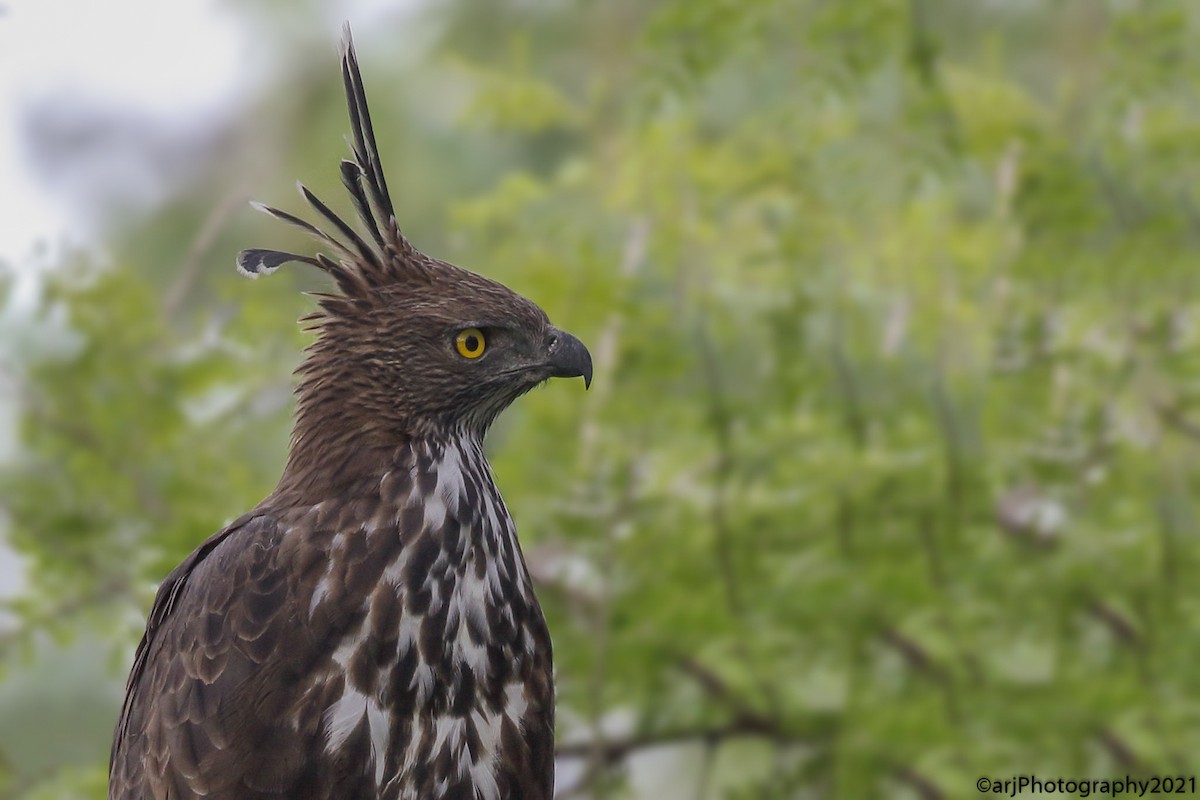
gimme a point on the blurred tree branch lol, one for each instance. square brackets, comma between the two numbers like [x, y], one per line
[614, 750]
[193, 262]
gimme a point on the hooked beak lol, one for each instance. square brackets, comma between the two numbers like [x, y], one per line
[567, 357]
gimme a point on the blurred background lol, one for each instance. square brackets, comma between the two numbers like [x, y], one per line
[885, 480]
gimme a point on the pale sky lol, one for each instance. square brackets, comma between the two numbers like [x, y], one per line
[173, 64]
[168, 61]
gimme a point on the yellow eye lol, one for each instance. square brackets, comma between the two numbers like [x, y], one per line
[470, 343]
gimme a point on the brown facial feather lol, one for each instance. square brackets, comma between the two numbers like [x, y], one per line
[370, 629]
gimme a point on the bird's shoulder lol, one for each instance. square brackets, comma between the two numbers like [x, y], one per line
[168, 596]
[226, 655]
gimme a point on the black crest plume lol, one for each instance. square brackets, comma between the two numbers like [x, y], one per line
[389, 257]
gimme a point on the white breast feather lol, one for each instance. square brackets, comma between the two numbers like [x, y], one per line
[467, 600]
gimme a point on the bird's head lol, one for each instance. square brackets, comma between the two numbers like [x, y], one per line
[409, 345]
[447, 349]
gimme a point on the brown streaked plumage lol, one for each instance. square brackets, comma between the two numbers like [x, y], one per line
[370, 629]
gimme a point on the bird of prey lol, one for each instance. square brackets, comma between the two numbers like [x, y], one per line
[370, 630]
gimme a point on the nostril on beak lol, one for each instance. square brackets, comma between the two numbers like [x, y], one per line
[552, 343]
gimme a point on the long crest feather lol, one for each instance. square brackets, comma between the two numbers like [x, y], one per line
[256, 261]
[366, 152]
[352, 177]
[360, 246]
[361, 264]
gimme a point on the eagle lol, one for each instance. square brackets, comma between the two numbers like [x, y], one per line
[370, 629]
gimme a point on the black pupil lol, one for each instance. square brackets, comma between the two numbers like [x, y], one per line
[472, 343]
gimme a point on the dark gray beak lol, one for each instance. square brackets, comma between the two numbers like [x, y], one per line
[567, 357]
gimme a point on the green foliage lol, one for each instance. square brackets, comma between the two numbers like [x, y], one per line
[885, 479]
